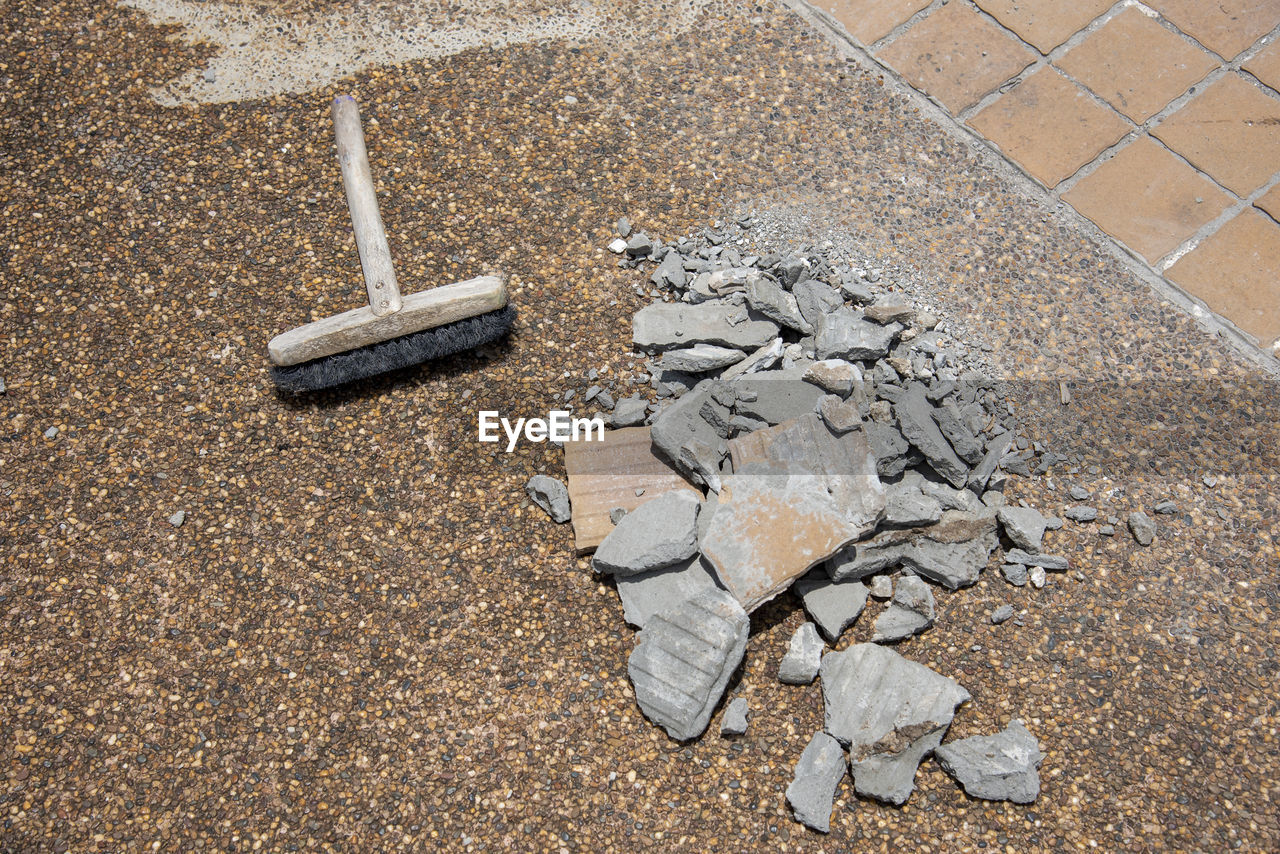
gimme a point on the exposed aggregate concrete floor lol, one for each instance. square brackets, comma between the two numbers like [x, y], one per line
[362, 637]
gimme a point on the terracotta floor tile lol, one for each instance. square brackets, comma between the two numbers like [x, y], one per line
[1230, 130]
[1049, 125]
[1270, 202]
[1045, 23]
[1237, 273]
[957, 56]
[1136, 65]
[1226, 26]
[868, 21]
[1265, 65]
[1148, 199]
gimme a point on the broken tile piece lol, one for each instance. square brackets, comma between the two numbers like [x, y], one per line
[910, 612]
[804, 655]
[771, 524]
[650, 593]
[890, 711]
[832, 606]
[683, 660]
[1000, 767]
[661, 532]
[812, 790]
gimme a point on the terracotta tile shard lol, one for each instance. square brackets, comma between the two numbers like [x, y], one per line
[1236, 271]
[868, 21]
[1045, 23]
[1230, 130]
[1136, 65]
[771, 524]
[957, 56]
[1050, 126]
[1224, 26]
[1148, 199]
[607, 474]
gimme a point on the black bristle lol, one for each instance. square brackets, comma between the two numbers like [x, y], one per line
[397, 353]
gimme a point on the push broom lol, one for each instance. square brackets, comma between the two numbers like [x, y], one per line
[390, 332]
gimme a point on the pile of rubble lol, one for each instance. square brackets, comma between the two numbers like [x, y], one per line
[838, 451]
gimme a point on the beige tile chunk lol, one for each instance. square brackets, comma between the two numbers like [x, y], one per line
[1236, 271]
[1265, 65]
[1270, 202]
[957, 56]
[1045, 23]
[1148, 199]
[1136, 65]
[1230, 130]
[606, 474]
[1225, 26]
[868, 21]
[1049, 125]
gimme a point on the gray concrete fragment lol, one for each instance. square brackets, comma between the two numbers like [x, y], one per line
[952, 552]
[551, 495]
[178, 518]
[734, 720]
[881, 587]
[780, 396]
[1000, 767]
[1024, 526]
[812, 790]
[1080, 513]
[908, 507]
[791, 269]
[762, 359]
[692, 432]
[670, 273]
[911, 611]
[1014, 573]
[816, 299]
[666, 326]
[649, 593]
[1166, 508]
[841, 334]
[804, 656]
[700, 358]
[999, 615]
[661, 532]
[889, 313]
[639, 245]
[1142, 527]
[683, 660]
[915, 420]
[841, 416]
[889, 446]
[891, 712]
[767, 297]
[1058, 563]
[834, 375]
[832, 606]
[630, 412]
[986, 467]
[1079, 493]
[962, 440]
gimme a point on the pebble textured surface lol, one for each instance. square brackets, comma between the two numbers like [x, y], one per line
[363, 636]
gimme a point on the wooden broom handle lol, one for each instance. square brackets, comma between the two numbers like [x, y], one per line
[371, 238]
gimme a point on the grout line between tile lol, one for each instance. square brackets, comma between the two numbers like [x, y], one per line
[1243, 344]
[893, 35]
[1210, 228]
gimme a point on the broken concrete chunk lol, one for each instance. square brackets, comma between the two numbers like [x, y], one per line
[816, 299]
[889, 313]
[962, 440]
[804, 655]
[834, 375]
[1142, 527]
[734, 721]
[683, 660]
[915, 420]
[910, 612]
[881, 587]
[772, 523]
[639, 245]
[1058, 563]
[812, 790]
[780, 396]
[841, 416]
[908, 507]
[178, 518]
[700, 358]
[661, 532]
[841, 334]
[767, 297]
[1166, 508]
[1024, 526]
[1081, 513]
[761, 360]
[1014, 573]
[833, 606]
[1000, 767]
[692, 431]
[649, 593]
[551, 495]
[630, 412]
[666, 326]
[889, 446]
[982, 472]
[670, 273]
[891, 712]
[999, 615]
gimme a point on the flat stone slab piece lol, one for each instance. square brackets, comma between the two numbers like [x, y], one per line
[833, 606]
[780, 396]
[683, 660]
[841, 334]
[734, 720]
[606, 474]
[812, 791]
[666, 326]
[1024, 526]
[804, 656]
[700, 358]
[890, 711]
[915, 420]
[549, 494]
[1000, 767]
[1057, 563]
[910, 612]
[770, 526]
[692, 432]
[834, 375]
[658, 533]
[650, 593]
[953, 552]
